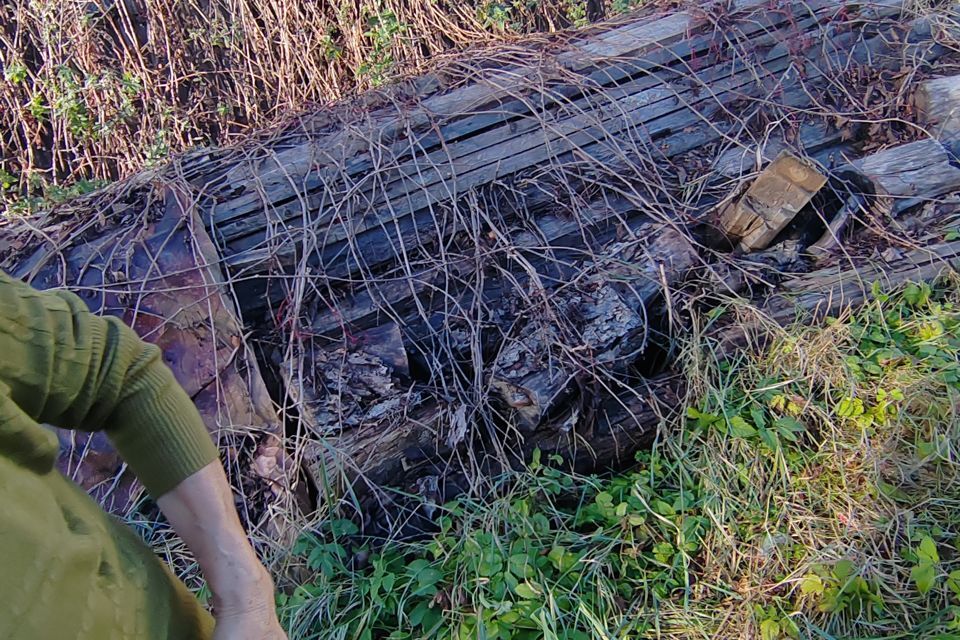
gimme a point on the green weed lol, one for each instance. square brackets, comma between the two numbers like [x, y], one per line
[810, 491]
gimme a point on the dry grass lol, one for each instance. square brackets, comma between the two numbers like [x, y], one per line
[97, 89]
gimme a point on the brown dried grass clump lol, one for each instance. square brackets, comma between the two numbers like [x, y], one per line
[98, 89]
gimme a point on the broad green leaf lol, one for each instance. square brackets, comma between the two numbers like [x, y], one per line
[770, 439]
[812, 584]
[740, 428]
[849, 408]
[770, 630]
[927, 551]
[789, 427]
[892, 492]
[524, 590]
[842, 570]
[925, 577]
[953, 582]
[429, 576]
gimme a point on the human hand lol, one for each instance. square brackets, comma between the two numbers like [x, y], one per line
[248, 613]
[254, 625]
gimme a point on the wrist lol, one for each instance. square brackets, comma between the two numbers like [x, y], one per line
[244, 588]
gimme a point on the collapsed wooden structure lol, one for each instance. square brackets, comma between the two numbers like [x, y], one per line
[440, 277]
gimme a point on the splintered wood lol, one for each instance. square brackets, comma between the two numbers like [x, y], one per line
[498, 257]
[901, 177]
[938, 101]
[778, 194]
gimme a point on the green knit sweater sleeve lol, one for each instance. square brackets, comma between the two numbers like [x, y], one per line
[70, 368]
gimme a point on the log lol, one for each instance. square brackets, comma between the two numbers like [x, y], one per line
[401, 280]
[938, 101]
[835, 291]
[385, 188]
[159, 274]
[608, 435]
[374, 422]
[395, 254]
[902, 177]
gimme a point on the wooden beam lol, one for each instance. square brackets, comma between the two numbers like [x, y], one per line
[938, 101]
[773, 200]
[904, 176]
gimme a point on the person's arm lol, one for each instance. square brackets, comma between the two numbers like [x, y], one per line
[201, 510]
[67, 367]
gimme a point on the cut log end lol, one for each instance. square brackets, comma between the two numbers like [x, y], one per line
[774, 199]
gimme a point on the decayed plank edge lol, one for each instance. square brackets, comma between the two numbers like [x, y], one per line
[438, 134]
[527, 144]
[252, 257]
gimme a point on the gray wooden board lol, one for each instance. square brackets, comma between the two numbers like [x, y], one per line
[644, 105]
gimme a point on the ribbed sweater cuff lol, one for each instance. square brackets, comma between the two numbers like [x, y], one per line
[160, 434]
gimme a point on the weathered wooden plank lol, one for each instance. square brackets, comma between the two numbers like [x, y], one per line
[772, 201]
[815, 141]
[677, 42]
[904, 176]
[551, 240]
[644, 106]
[834, 290]
[869, 50]
[938, 101]
[444, 118]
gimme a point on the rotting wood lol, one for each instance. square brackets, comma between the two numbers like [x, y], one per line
[938, 101]
[834, 291]
[410, 241]
[159, 274]
[418, 443]
[374, 238]
[901, 177]
[816, 141]
[353, 399]
[772, 201]
[598, 326]
[837, 227]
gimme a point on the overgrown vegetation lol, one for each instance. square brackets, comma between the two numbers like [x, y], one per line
[96, 90]
[810, 491]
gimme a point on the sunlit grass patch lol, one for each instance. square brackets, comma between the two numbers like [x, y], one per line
[807, 491]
